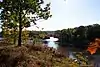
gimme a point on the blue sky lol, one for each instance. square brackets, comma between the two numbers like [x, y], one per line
[71, 13]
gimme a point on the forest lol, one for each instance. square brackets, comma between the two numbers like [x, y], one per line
[79, 37]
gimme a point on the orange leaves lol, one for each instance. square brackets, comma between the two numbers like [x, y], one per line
[92, 48]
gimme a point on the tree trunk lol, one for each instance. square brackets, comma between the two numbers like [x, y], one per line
[20, 25]
[19, 38]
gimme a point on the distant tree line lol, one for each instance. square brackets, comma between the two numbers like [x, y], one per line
[12, 36]
[37, 36]
[79, 37]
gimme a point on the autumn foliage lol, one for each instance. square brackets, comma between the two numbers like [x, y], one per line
[92, 48]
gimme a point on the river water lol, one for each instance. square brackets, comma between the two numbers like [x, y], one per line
[52, 43]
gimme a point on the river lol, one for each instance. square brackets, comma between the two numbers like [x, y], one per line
[52, 42]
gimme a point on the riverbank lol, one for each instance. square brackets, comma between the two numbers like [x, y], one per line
[33, 56]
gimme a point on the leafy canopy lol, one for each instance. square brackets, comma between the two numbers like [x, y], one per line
[11, 9]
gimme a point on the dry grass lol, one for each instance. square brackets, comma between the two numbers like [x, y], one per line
[33, 56]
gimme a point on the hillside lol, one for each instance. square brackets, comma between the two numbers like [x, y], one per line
[33, 56]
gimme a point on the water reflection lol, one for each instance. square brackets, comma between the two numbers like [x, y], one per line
[51, 42]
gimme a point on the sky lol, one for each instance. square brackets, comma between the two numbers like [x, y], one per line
[70, 14]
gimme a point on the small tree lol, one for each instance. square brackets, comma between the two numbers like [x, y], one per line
[16, 10]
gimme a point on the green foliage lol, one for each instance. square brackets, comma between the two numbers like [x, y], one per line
[10, 11]
[13, 14]
[25, 36]
[12, 36]
[79, 36]
[37, 36]
[82, 59]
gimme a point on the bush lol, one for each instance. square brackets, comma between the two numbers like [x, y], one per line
[33, 56]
